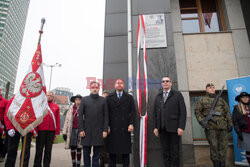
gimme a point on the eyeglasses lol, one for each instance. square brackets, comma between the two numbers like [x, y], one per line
[165, 81]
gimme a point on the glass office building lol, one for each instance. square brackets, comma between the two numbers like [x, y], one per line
[13, 14]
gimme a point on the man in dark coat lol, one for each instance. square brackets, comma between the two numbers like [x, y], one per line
[121, 108]
[93, 124]
[169, 121]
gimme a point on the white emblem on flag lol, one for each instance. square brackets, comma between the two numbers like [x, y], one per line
[32, 85]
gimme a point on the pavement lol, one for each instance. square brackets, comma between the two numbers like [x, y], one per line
[60, 157]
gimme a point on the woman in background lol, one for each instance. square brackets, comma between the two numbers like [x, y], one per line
[241, 121]
[70, 131]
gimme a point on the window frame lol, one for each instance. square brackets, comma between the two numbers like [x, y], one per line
[200, 17]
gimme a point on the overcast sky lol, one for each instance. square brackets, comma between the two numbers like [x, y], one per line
[73, 36]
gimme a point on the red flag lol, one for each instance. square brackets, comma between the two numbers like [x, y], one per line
[29, 105]
[207, 18]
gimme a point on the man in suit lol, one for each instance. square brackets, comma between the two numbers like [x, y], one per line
[121, 108]
[169, 121]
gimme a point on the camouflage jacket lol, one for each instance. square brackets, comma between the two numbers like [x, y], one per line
[223, 117]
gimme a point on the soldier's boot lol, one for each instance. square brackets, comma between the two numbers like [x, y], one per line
[222, 164]
[216, 163]
[248, 156]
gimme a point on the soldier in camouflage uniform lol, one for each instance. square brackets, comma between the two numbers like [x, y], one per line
[216, 132]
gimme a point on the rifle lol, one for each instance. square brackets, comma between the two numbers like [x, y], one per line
[204, 123]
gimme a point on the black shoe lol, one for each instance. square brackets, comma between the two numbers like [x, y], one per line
[74, 164]
[222, 164]
[216, 163]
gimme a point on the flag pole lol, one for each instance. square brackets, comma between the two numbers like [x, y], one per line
[25, 137]
[130, 56]
[41, 30]
[23, 150]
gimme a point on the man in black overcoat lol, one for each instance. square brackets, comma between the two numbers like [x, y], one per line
[93, 124]
[121, 108]
[169, 121]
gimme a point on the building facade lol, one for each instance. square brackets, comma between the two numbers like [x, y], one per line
[13, 14]
[207, 41]
[62, 99]
[63, 92]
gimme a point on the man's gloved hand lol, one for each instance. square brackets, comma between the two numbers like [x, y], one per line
[229, 129]
[11, 132]
[203, 124]
[240, 136]
[64, 137]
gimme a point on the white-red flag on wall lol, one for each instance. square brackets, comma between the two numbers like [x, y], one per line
[29, 105]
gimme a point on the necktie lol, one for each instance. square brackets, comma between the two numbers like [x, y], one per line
[165, 96]
[119, 95]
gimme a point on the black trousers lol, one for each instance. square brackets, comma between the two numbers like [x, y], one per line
[44, 141]
[12, 150]
[1, 146]
[171, 148]
[5, 146]
[112, 160]
[95, 157]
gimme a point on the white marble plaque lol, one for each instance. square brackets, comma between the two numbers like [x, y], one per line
[155, 31]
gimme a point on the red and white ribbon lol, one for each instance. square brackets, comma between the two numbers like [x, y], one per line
[141, 42]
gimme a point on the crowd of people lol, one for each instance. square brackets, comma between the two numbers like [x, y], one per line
[45, 134]
[102, 126]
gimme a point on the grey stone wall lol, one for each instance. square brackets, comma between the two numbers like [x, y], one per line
[115, 40]
[236, 24]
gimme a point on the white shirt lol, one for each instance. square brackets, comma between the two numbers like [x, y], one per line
[166, 92]
[119, 93]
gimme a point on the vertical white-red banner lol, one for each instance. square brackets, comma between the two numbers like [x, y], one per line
[29, 105]
[142, 85]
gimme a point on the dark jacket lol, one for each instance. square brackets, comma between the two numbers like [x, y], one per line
[173, 111]
[239, 120]
[121, 115]
[93, 120]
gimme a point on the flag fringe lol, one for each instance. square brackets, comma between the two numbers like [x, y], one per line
[29, 128]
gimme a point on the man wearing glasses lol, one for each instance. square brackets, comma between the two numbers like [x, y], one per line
[169, 121]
